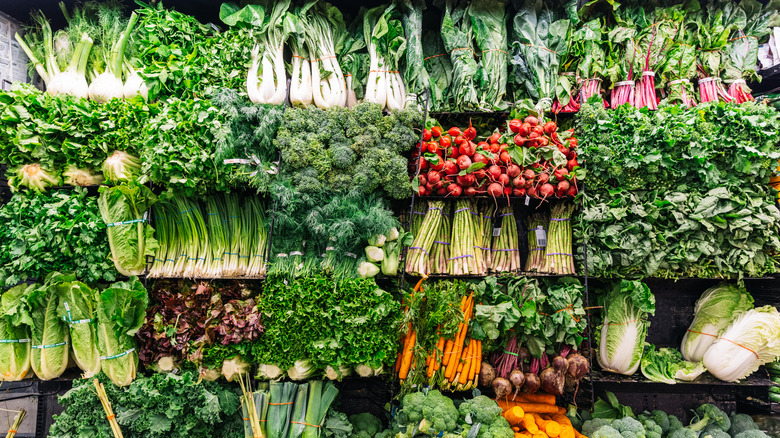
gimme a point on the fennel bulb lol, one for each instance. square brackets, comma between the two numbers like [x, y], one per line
[622, 334]
[108, 84]
[105, 87]
[716, 308]
[752, 340]
[135, 86]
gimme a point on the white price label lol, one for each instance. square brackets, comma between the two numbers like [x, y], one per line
[541, 238]
[496, 232]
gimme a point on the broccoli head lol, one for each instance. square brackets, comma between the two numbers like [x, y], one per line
[751, 434]
[436, 413]
[480, 409]
[674, 423]
[710, 414]
[365, 425]
[741, 423]
[652, 430]
[343, 156]
[605, 432]
[591, 426]
[629, 427]
[365, 114]
[661, 419]
[497, 429]
[682, 433]
[714, 432]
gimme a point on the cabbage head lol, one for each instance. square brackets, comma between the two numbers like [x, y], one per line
[622, 334]
[714, 311]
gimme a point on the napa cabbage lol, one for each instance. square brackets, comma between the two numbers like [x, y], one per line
[714, 311]
[622, 334]
[666, 365]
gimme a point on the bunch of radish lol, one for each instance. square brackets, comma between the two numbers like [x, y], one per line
[527, 159]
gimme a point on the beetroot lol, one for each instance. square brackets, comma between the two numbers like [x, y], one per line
[543, 177]
[517, 378]
[495, 190]
[464, 162]
[494, 172]
[578, 367]
[507, 191]
[503, 179]
[450, 167]
[520, 140]
[502, 387]
[486, 374]
[572, 164]
[531, 120]
[480, 174]
[560, 174]
[434, 177]
[563, 186]
[455, 190]
[546, 190]
[513, 170]
[466, 180]
[518, 182]
[532, 383]
[519, 192]
[532, 192]
[554, 377]
[572, 191]
[529, 174]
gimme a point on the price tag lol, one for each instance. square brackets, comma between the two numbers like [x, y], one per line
[541, 238]
[496, 232]
[237, 161]
[527, 200]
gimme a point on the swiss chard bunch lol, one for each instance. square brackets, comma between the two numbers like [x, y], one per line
[57, 231]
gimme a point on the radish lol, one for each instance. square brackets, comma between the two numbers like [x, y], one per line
[505, 157]
[423, 179]
[451, 178]
[459, 139]
[466, 180]
[494, 172]
[528, 184]
[507, 191]
[529, 174]
[544, 141]
[565, 151]
[429, 186]
[533, 136]
[468, 148]
[531, 192]
[479, 158]
[495, 190]
[454, 131]
[538, 129]
[560, 174]
[513, 170]
[441, 192]
[503, 179]
[470, 133]
[421, 191]
[524, 130]
[546, 190]
[438, 185]
[572, 154]
[450, 167]
[454, 189]
[550, 128]
[454, 152]
[520, 140]
[423, 163]
[572, 191]
[544, 178]
[470, 191]
[480, 174]
[572, 164]
[518, 182]
[563, 186]
[434, 177]
[531, 120]
[464, 162]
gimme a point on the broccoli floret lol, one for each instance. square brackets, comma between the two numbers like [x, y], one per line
[605, 432]
[480, 409]
[591, 426]
[365, 114]
[652, 430]
[499, 428]
[674, 423]
[629, 426]
[400, 138]
[661, 419]
[365, 425]
[339, 181]
[343, 157]
[714, 433]
[752, 434]
[306, 181]
[431, 414]
[682, 433]
[711, 414]
[741, 423]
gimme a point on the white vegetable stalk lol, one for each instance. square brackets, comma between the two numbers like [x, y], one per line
[108, 85]
[329, 87]
[135, 86]
[385, 85]
[267, 78]
[300, 79]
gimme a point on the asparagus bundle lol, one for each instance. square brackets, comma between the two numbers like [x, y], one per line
[417, 216]
[506, 256]
[538, 224]
[440, 252]
[417, 257]
[559, 245]
[463, 260]
[483, 221]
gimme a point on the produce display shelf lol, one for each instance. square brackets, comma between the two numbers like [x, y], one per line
[499, 274]
[758, 379]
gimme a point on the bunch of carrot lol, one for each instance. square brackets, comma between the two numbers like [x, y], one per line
[453, 364]
[537, 416]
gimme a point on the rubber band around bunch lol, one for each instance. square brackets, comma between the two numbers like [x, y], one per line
[740, 345]
[117, 356]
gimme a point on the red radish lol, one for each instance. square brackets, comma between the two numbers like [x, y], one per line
[464, 162]
[572, 164]
[421, 191]
[433, 147]
[494, 138]
[572, 154]
[544, 141]
[507, 191]
[560, 174]
[555, 138]
[537, 165]
[518, 182]
[531, 120]
[438, 166]
[533, 136]
[564, 150]
[563, 186]
[531, 192]
[445, 142]
[467, 180]
[483, 145]
[423, 179]
[524, 130]
[470, 133]
[495, 190]
[441, 192]
[520, 140]
[531, 144]
[451, 178]
[549, 128]
[454, 152]
[529, 174]
[546, 190]
[436, 131]
[538, 129]
[434, 177]
[454, 131]
[573, 142]
[480, 174]
[494, 172]
[459, 139]
[572, 191]
[543, 177]
[437, 185]
[494, 148]
[479, 158]
[502, 147]
[455, 190]
[450, 168]
[519, 192]
[468, 148]
[470, 191]
[426, 135]
[513, 170]
[429, 186]
[423, 163]
[505, 157]
[560, 193]
[514, 125]
[503, 179]
[528, 184]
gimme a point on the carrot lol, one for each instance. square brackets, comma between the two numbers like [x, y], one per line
[407, 359]
[529, 424]
[468, 356]
[459, 339]
[523, 434]
[536, 408]
[562, 419]
[537, 398]
[515, 429]
[540, 435]
[448, 349]
[567, 432]
[477, 361]
[514, 416]
[551, 428]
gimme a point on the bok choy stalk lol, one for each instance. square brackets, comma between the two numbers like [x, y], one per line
[39, 48]
[267, 79]
[326, 33]
[108, 84]
[384, 35]
[15, 325]
[300, 78]
[76, 306]
[354, 61]
[124, 210]
[121, 310]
